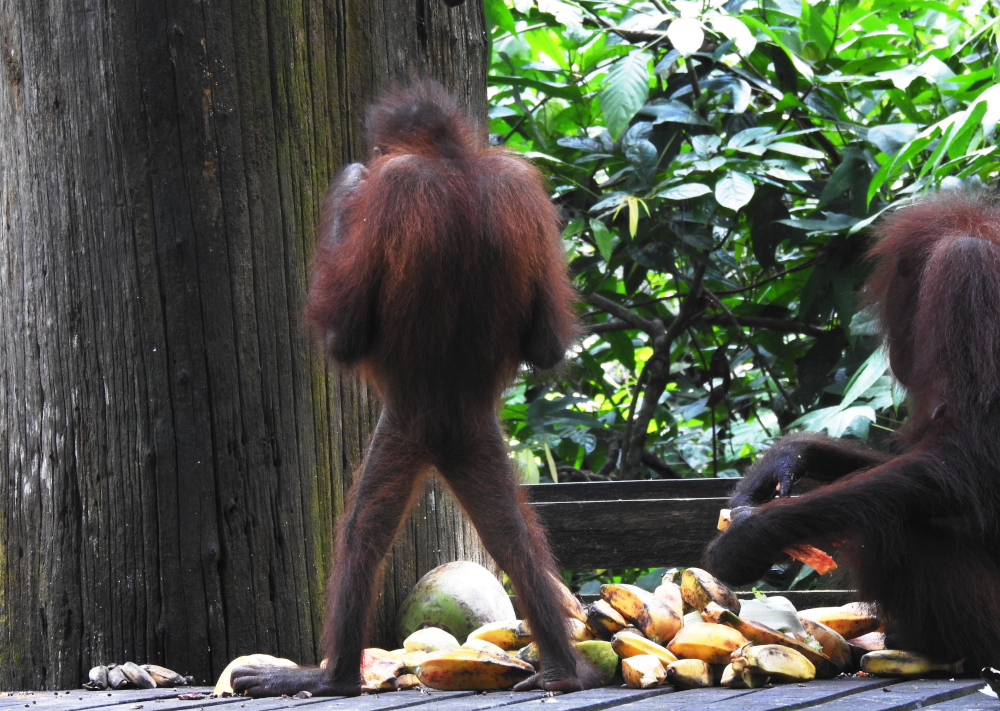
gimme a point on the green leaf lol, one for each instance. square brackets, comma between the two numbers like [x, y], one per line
[686, 35]
[685, 192]
[604, 237]
[796, 149]
[527, 467]
[625, 90]
[734, 190]
[497, 15]
[870, 371]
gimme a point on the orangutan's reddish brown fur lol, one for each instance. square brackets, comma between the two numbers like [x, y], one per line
[439, 271]
[921, 530]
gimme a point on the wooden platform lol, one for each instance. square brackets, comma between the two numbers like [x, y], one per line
[832, 695]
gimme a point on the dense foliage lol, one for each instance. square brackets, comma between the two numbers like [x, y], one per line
[717, 165]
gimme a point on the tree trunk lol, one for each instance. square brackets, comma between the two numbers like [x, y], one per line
[173, 452]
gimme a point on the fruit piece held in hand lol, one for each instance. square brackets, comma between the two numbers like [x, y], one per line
[816, 559]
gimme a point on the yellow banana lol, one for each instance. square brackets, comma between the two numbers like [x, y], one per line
[699, 587]
[849, 621]
[709, 642]
[225, 683]
[895, 662]
[507, 634]
[601, 655]
[643, 671]
[759, 633]
[834, 645]
[650, 614]
[470, 670]
[604, 620]
[688, 674]
[779, 662]
[629, 644]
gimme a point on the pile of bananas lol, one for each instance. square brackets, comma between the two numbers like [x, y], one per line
[133, 676]
[713, 644]
[691, 635]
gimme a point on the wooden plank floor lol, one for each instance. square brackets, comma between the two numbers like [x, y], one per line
[831, 695]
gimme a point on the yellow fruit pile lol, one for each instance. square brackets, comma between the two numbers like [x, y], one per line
[647, 638]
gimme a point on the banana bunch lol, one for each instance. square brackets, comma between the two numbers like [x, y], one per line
[897, 663]
[761, 634]
[777, 661]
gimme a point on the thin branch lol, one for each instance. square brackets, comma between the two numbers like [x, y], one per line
[660, 466]
[773, 277]
[658, 369]
[753, 347]
[654, 327]
[777, 325]
[693, 78]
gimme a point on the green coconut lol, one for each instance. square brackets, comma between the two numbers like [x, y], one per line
[457, 597]
[602, 655]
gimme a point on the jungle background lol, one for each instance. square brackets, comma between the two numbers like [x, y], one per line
[718, 165]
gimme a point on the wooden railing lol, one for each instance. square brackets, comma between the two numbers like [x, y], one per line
[638, 524]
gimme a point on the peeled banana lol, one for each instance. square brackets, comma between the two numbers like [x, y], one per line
[689, 674]
[643, 671]
[470, 670]
[849, 621]
[506, 634]
[650, 614]
[709, 642]
[895, 662]
[699, 587]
